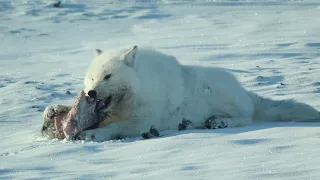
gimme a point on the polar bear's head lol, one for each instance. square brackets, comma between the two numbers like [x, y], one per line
[112, 74]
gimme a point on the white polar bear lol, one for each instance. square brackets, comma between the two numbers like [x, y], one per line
[149, 88]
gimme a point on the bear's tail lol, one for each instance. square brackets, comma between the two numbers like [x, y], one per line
[283, 110]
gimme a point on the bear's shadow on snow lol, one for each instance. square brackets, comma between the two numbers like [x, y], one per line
[236, 130]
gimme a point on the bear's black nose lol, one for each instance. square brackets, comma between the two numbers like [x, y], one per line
[92, 94]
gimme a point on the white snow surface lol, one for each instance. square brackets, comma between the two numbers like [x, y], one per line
[45, 51]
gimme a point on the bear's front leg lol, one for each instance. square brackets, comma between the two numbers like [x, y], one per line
[153, 132]
[110, 132]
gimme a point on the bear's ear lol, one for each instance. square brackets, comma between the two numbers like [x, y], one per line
[98, 52]
[130, 56]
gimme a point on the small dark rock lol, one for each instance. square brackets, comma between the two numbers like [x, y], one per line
[68, 92]
[57, 4]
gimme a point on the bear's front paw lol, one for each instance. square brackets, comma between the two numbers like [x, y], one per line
[215, 123]
[185, 124]
[153, 132]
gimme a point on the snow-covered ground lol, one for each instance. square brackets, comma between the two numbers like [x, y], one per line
[272, 46]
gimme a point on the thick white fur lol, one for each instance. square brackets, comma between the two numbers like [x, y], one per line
[161, 92]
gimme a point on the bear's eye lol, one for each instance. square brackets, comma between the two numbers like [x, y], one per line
[107, 77]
